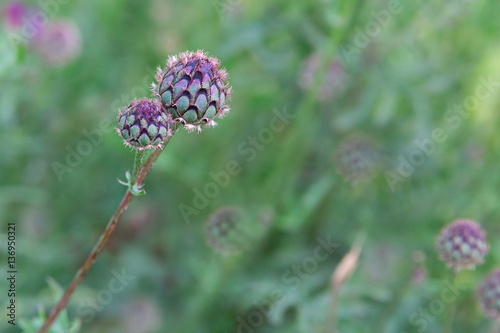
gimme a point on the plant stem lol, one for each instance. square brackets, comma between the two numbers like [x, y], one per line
[139, 174]
[139, 155]
[451, 311]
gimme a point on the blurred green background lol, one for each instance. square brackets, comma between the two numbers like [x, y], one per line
[361, 81]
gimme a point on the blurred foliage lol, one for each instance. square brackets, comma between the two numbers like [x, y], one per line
[396, 89]
[61, 325]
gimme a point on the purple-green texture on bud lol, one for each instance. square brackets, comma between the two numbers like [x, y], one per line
[462, 244]
[143, 125]
[193, 90]
[488, 294]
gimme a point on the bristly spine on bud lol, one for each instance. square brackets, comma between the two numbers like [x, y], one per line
[193, 90]
[143, 125]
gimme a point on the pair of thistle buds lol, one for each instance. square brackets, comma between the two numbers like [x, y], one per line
[462, 245]
[191, 91]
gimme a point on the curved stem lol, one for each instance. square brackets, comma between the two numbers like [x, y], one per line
[82, 271]
[113, 222]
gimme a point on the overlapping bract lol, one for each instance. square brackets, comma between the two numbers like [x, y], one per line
[142, 125]
[193, 90]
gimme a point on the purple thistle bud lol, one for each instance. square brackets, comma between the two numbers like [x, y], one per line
[462, 244]
[142, 125]
[193, 90]
[58, 43]
[488, 294]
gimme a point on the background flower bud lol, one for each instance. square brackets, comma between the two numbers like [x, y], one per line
[489, 294]
[59, 42]
[231, 230]
[462, 244]
[357, 159]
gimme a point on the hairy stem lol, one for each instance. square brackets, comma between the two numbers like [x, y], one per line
[142, 172]
[139, 155]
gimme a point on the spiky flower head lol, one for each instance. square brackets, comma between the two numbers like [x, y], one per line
[488, 294]
[143, 125]
[357, 158]
[462, 244]
[193, 90]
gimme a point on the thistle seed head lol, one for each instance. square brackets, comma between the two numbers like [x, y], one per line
[462, 244]
[488, 294]
[193, 90]
[142, 125]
